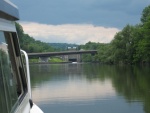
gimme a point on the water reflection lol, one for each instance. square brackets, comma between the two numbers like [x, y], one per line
[69, 83]
[73, 90]
[126, 86]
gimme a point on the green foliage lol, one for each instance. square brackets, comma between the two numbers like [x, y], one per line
[144, 43]
[145, 14]
[35, 60]
[89, 46]
[105, 54]
[56, 59]
[123, 45]
[52, 59]
[86, 58]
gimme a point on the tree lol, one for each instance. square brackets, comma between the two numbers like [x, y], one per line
[144, 44]
[145, 14]
[123, 45]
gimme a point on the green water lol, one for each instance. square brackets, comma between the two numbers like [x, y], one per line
[91, 88]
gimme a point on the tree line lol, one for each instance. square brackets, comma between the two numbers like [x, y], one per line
[130, 46]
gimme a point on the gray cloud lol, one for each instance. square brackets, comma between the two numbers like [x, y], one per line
[108, 13]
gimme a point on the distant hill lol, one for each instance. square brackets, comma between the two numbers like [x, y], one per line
[62, 46]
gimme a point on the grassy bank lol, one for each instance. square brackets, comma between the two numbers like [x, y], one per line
[55, 59]
[51, 60]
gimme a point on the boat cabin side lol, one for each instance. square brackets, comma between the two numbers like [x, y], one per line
[15, 96]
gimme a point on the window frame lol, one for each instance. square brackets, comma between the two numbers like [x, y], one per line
[16, 54]
[17, 66]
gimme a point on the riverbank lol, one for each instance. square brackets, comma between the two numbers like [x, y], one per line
[49, 62]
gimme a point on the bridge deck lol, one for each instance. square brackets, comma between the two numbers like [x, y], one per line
[48, 54]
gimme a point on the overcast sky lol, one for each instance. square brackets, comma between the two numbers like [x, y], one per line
[78, 21]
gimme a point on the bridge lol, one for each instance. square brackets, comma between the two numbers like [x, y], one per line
[67, 55]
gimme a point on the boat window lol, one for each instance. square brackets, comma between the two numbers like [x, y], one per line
[12, 78]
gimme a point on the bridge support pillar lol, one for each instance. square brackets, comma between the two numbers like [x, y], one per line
[72, 58]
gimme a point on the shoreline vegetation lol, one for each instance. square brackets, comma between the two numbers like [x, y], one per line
[51, 60]
[130, 46]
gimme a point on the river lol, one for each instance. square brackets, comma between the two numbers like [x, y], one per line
[90, 88]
